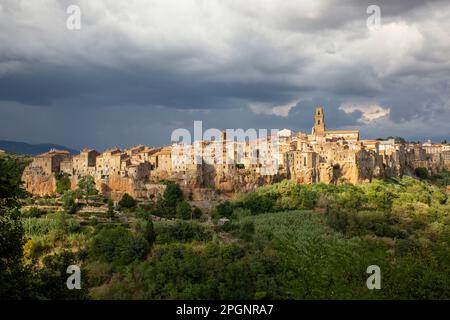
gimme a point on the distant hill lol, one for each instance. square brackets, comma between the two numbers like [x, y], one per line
[31, 149]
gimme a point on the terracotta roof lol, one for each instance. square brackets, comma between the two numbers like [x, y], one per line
[53, 152]
[164, 151]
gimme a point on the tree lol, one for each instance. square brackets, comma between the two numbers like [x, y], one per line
[127, 202]
[196, 212]
[11, 168]
[224, 209]
[110, 212]
[62, 183]
[118, 245]
[421, 173]
[14, 276]
[19, 281]
[69, 204]
[184, 210]
[149, 232]
[87, 187]
[53, 278]
[172, 194]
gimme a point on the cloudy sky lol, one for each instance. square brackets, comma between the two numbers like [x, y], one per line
[138, 69]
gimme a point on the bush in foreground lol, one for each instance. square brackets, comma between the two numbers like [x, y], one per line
[117, 245]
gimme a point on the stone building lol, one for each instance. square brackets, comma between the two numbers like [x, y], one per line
[39, 175]
[162, 159]
[328, 156]
[50, 161]
[109, 163]
[319, 131]
[85, 163]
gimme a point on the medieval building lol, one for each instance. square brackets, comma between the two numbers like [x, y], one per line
[328, 156]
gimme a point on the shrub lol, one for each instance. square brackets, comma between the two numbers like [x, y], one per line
[230, 226]
[184, 210]
[32, 212]
[257, 203]
[351, 197]
[117, 245]
[142, 213]
[304, 197]
[173, 194]
[38, 247]
[421, 173]
[162, 209]
[197, 213]
[127, 202]
[86, 186]
[441, 179]
[53, 278]
[223, 209]
[99, 273]
[62, 183]
[72, 226]
[146, 229]
[182, 231]
[69, 204]
[239, 213]
[38, 226]
[379, 195]
[110, 212]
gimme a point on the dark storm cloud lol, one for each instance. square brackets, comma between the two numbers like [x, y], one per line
[136, 71]
[91, 85]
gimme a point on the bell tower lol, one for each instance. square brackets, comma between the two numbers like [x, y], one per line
[319, 121]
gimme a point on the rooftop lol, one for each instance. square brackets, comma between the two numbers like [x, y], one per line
[53, 152]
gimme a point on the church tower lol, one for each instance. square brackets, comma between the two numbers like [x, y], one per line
[319, 122]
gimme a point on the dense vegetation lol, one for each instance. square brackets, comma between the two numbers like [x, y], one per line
[316, 241]
[284, 241]
[20, 277]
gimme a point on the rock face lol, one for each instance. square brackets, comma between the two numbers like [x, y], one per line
[116, 186]
[243, 181]
[37, 182]
[201, 182]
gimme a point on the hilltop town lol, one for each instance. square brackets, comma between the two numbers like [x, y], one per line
[327, 156]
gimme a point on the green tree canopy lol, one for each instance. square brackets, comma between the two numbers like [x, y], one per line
[127, 202]
[184, 210]
[172, 194]
[62, 183]
[86, 184]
